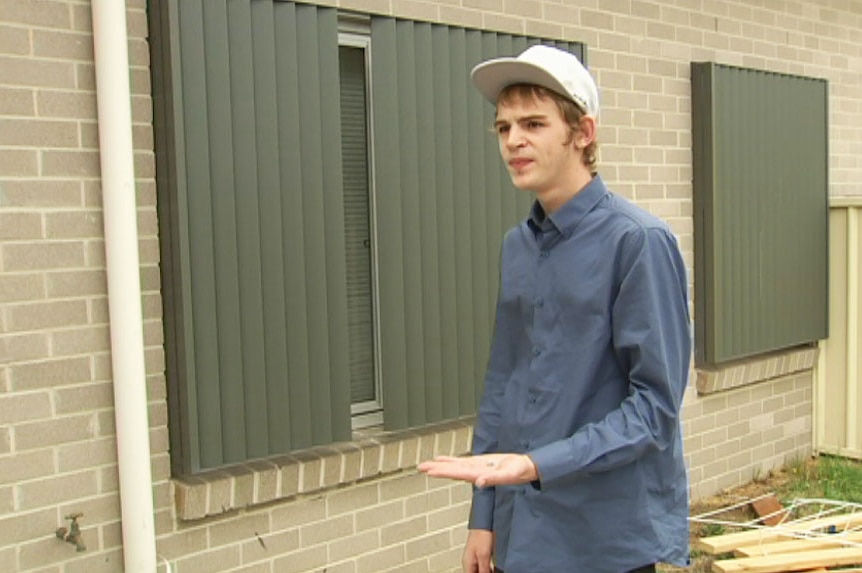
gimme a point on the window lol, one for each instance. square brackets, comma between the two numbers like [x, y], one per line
[365, 388]
[332, 207]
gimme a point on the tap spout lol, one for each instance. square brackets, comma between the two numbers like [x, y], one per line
[73, 533]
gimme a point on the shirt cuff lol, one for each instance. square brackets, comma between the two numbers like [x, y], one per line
[482, 510]
[553, 462]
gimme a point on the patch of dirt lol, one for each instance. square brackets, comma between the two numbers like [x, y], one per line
[702, 563]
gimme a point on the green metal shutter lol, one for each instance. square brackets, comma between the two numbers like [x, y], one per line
[760, 147]
[258, 237]
[256, 270]
[444, 201]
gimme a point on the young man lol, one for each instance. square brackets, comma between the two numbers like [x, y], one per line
[578, 461]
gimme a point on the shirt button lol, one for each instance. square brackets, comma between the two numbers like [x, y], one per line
[540, 302]
[543, 254]
[536, 351]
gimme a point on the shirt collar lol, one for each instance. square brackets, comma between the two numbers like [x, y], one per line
[538, 222]
[567, 217]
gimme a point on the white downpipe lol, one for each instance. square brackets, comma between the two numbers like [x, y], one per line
[124, 285]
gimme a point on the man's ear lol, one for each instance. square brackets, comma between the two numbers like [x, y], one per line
[586, 133]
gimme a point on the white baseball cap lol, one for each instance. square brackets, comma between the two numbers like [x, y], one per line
[545, 66]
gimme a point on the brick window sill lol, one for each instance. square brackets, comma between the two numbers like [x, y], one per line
[317, 469]
[756, 369]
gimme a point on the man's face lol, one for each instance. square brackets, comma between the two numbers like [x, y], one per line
[536, 145]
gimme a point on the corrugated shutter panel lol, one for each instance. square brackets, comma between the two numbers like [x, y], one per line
[444, 201]
[259, 274]
[260, 285]
[760, 146]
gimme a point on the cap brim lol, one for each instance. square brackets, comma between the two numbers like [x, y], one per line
[491, 77]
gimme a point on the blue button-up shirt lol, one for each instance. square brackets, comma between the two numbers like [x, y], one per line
[588, 367]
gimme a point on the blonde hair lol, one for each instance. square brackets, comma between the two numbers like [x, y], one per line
[569, 111]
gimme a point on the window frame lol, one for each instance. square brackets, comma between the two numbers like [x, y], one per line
[354, 33]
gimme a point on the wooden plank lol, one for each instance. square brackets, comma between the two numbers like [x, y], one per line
[789, 562]
[825, 570]
[731, 541]
[810, 544]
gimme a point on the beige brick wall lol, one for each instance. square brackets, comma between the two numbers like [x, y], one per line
[58, 452]
[738, 435]
[57, 439]
[403, 522]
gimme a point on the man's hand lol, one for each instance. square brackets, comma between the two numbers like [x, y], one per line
[477, 551]
[485, 470]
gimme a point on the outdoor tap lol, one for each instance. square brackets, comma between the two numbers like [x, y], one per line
[73, 534]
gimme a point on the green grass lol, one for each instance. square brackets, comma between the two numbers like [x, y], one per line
[710, 529]
[830, 478]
